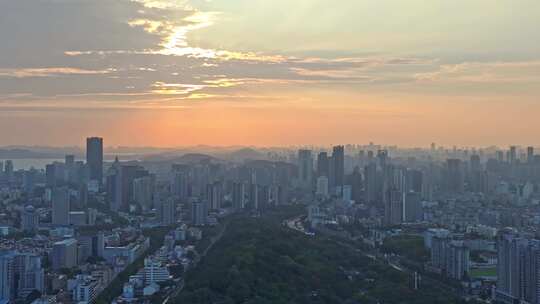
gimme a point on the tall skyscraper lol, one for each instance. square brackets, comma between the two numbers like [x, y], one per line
[322, 186]
[120, 181]
[415, 180]
[29, 180]
[143, 191]
[198, 213]
[382, 157]
[511, 249]
[370, 188]
[455, 180]
[322, 165]
[439, 251]
[94, 158]
[475, 164]
[518, 269]
[60, 206]
[338, 168]
[530, 155]
[413, 207]
[180, 183]
[305, 168]
[457, 260]
[239, 195]
[393, 209]
[167, 212]
[355, 181]
[512, 155]
[214, 195]
[7, 276]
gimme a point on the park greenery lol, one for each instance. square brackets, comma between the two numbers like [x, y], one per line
[259, 260]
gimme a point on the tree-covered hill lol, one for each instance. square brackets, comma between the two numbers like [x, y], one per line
[260, 261]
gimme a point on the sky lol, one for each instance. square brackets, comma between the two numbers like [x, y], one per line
[170, 73]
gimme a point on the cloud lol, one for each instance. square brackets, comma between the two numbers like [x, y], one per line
[50, 72]
[163, 88]
[484, 72]
[126, 51]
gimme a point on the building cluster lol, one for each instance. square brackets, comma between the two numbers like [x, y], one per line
[71, 227]
[166, 265]
[518, 271]
[449, 256]
[460, 201]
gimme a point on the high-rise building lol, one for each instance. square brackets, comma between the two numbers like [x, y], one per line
[55, 174]
[323, 165]
[370, 184]
[322, 186]
[305, 168]
[413, 207]
[214, 195]
[94, 158]
[530, 155]
[510, 250]
[480, 181]
[167, 212]
[512, 155]
[338, 168]
[20, 274]
[120, 184]
[29, 180]
[355, 181]
[518, 269]
[255, 193]
[143, 191]
[29, 273]
[531, 272]
[60, 206]
[475, 163]
[8, 170]
[7, 276]
[455, 180]
[415, 180]
[64, 254]
[393, 209]
[180, 183]
[29, 219]
[457, 260]
[198, 213]
[439, 251]
[383, 158]
[239, 195]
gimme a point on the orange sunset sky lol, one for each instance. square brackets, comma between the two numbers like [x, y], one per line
[269, 73]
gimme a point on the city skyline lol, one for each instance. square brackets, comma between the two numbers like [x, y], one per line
[256, 151]
[181, 73]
